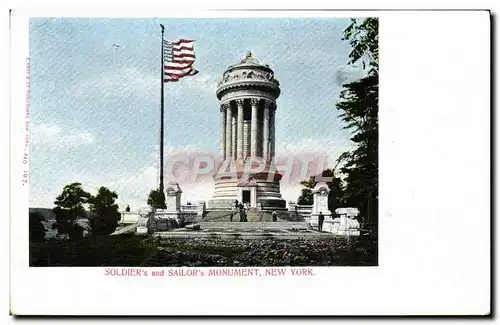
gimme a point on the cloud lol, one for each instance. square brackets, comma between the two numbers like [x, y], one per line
[328, 146]
[134, 80]
[347, 75]
[131, 78]
[48, 134]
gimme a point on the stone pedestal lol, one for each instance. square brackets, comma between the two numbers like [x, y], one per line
[320, 204]
[143, 225]
[170, 217]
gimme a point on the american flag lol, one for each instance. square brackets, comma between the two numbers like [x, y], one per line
[178, 60]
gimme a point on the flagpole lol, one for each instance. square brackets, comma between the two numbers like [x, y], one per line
[162, 113]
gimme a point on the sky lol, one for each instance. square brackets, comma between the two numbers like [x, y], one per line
[95, 107]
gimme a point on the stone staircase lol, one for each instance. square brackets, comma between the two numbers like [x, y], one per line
[126, 229]
[253, 215]
[281, 225]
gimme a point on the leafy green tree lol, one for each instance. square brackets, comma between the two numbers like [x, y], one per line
[156, 199]
[306, 197]
[363, 38]
[70, 207]
[37, 230]
[335, 186]
[358, 105]
[105, 215]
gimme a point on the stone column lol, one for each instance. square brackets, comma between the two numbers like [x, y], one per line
[239, 132]
[272, 131]
[265, 132]
[229, 131]
[222, 132]
[233, 139]
[253, 129]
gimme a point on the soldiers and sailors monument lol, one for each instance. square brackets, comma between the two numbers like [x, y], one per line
[247, 92]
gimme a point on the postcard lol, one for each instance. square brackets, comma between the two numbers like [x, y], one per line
[233, 155]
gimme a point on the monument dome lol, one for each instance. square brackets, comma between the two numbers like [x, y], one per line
[247, 74]
[247, 92]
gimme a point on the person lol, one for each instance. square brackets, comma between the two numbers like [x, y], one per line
[321, 218]
[275, 216]
[127, 209]
[242, 212]
[231, 217]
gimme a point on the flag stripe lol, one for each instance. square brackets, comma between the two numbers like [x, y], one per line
[179, 48]
[178, 74]
[176, 66]
[185, 60]
[182, 41]
[183, 52]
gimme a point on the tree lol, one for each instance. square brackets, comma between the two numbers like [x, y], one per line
[69, 207]
[306, 197]
[359, 110]
[105, 215]
[37, 230]
[156, 199]
[335, 186]
[363, 38]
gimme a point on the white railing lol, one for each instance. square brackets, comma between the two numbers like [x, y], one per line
[304, 210]
[189, 208]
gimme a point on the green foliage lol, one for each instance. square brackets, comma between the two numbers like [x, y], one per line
[306, 197]
[335, 186]
[363, 38]
[358, 105]
[156, 199]
[105, 215]
[70, 207]
[37, 230]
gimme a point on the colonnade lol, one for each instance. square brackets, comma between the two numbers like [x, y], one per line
[247, 129]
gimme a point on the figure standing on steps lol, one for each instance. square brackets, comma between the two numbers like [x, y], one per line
[242, 212]
[321, 218]
[231, 217]
[275, 216]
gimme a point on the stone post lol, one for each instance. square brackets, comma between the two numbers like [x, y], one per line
[265, 135]
[229, 131]
[201, 208]
[222, 132]
[253, 129]
[239, 132]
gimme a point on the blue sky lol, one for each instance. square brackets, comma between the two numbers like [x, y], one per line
[94, 115]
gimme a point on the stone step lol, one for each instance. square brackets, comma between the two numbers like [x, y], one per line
[255, 225]
[309, 235]
[253, 215]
